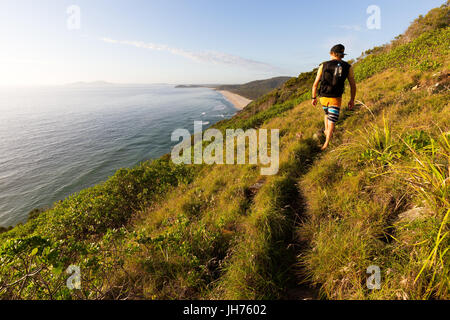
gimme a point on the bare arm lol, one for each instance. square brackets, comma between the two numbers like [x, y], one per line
[351, 80]
[316, 84]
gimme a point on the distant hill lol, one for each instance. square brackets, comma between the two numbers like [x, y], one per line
[189, 86]
[251, 90]
[255, 89]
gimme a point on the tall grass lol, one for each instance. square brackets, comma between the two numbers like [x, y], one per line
[429, 177]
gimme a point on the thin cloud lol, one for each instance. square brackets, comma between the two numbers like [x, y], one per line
[212, 57]
[353, 27]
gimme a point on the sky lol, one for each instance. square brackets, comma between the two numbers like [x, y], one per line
[54, 42]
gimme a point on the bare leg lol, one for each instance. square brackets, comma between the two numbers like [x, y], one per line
[329, 134]
[326, 124]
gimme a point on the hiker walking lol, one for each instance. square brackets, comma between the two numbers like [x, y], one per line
[331, 76]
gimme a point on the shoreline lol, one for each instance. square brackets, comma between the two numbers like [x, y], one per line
[239, 102]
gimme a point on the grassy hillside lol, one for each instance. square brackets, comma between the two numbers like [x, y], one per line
[377, 196]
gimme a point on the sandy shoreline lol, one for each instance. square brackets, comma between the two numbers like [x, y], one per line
[238, 101]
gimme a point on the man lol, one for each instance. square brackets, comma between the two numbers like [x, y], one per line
[332, 75]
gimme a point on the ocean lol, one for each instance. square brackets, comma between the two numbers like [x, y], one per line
[56, 141]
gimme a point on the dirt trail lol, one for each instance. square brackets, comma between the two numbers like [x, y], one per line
[298, 288]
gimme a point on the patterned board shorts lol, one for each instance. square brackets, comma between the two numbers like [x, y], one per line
[331, 107]
[332, 113]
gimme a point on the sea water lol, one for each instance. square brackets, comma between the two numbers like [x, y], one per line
[56, 141]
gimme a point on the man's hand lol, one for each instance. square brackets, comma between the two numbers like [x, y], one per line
[351, 104]
[314, 102]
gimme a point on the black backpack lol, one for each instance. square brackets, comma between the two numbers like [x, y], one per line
[334, 74]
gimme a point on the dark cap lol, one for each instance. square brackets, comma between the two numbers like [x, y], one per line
[339, 48]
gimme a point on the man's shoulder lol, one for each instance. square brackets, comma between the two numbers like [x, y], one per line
[325, 63]
[334, 61]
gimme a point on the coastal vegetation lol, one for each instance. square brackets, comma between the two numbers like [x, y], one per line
[250, 90]
[255, 89]
[379, 196]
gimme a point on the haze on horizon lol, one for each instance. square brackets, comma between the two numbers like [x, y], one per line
[54, 42]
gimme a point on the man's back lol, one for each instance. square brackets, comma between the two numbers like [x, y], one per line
[334, 74]
[331, 76]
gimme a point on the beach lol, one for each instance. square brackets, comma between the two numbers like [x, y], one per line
[238, 101]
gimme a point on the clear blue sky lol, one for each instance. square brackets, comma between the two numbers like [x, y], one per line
[181, 41]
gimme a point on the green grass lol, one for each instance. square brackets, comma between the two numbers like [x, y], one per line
[262, 260]
[355, 197]
[418, 55]
[161, 231]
